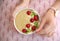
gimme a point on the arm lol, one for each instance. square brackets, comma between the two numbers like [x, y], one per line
[25, 3]
[47, 25]
[56, 5]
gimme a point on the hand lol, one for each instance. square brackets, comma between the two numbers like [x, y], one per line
[47, 24]
[23, 4]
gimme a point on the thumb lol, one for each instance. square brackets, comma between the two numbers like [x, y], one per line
[42, 23]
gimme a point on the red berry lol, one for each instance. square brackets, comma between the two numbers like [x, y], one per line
[36, 17]
[31, 20]
[24, 30]
[28, 25]
[33, 28]
[28, 12]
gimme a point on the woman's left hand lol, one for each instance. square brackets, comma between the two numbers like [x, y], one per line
[47, 25]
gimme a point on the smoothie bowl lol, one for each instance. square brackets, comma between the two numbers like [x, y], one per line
[26, 21]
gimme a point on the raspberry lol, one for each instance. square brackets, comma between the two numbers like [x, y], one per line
[31, 20]
[28, 12]
[24, 30]
[33, 28]
[36, 17]
[28, 25]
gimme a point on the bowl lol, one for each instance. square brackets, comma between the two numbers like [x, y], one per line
[26, 20]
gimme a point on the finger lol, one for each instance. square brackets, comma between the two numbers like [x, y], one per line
[42, 34]
[47, 33]
[51, 33]
[41, 25]
[49, 28]
[43, 31]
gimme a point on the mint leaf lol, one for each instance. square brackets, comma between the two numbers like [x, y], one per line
[28, 30]
[36, 24]
[33, 14]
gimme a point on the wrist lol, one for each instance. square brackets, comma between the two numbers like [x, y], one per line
[26, 1]
[56, 6]
[53, 10]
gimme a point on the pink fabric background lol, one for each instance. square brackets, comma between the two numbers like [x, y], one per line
[7, 30]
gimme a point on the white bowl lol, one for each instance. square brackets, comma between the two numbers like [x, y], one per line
[17, 12]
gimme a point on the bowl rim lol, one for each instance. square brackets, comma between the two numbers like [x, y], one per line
[16, 13]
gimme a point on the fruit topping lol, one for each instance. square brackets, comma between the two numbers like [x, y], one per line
[33, 28]
[24, 30]
[33, 14]
[28, 12]
[36, 17]
[32, 20]
[28, 25]
[36, 24]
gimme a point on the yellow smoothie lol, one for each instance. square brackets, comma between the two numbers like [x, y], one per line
[22, 19]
